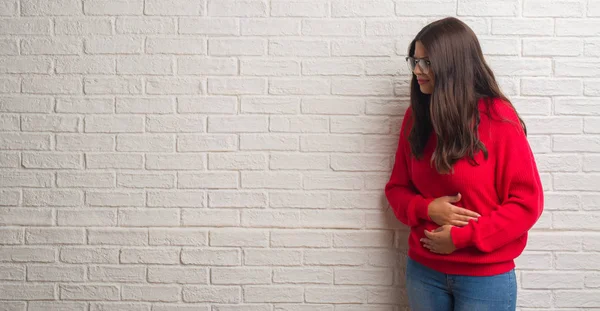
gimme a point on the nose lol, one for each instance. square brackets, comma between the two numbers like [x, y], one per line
[418, 69]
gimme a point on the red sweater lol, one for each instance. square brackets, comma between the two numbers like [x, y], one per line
[505, 190]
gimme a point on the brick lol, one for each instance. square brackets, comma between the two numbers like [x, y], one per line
[10, 123]
[144, 105]
[175, 86]
[10, 85]
[425, 8]
[270, 180]
[48, 123]
[236, 86]
[89, 292]
[113, 7]
[116, 274]
[9, 8]
[54, 236]
[351, 276]
[156, 217]
[211, 256]
[25, 104]
[333, 181]
[352, 8]
[175, 124]
[176, 199]
[503, 66]
[239, 237]
[52, 85]
[25, 26]
[237, 161]
[183, 237]
[486, 8]
[208, 180]
[577, 27]
[591, 47]
[279, 105]
[114, 45]
[86, 179]
[26, 291]
[551, 86]
[393, 27]
[26, 179]
[236, 199]
[583, 68]
[27, 254]
[332, 106]
[544, 280]
[174, 162]
[181, 307]
[299, 86]
[85, 65]
[576, 143]
[26, 216]
[147, 65]
[535, 298]
[214, 294]
[300, 238]
[112, 86]
[145, 25]
[299, 8]
[186, 275]
[558, 163]
[590, 163]
[289, 47]
[158, 293]
[39, 197]
[270, 27]
[207, 66]
[303, 219]
[163, 256]
[325, 27]
[267, 294]
[111, 160]
[93, 217]
[112, 198]
[303, 307]
[83, 26]
[195, 143]
[11, 236]
[84, 105]
[125, 306]
[332, 67]
[90, 255]
[273, 142]
[9, 160]
[176, 46]
[51, 46]
[164, 7]
[563, 125]
[303, 276]
[335, 295]
[117, 236]
[236, 47]
[145, 143]
[51, 7]
[207, 105]
[331, 143]
[56, 306]
[55, 273]
[209, 26]
[562, 8]
[362, 48]
[240, 276]
[552, 47]
[26, 64]
[237, 8]
[568, 219]
[269, 67]
[272, 257]
[530, 26]
[12, 273]
[113, 124]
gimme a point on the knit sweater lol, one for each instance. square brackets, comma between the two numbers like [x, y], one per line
[505, 189]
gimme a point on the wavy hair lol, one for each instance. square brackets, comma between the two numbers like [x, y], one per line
[461, 79]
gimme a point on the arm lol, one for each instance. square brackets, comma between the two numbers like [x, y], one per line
[519, 188]
[408, 205]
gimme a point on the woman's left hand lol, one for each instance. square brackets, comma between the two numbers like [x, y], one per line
[439, 241]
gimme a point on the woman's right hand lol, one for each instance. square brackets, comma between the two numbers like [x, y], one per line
[443, 212]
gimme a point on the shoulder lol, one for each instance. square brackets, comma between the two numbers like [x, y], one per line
[501, 115]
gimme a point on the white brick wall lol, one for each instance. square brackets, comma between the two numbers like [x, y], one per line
[228, 155]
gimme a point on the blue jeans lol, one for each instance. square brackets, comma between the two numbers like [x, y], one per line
[429, 290]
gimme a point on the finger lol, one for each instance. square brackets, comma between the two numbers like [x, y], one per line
[466, 212]
[464, 218]
[459, 223]
[454, 198]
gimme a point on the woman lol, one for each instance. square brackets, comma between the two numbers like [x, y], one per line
[464, 177]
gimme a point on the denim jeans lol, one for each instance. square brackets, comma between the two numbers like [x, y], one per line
[429, 290]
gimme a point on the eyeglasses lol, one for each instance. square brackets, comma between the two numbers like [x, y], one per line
[413, 62]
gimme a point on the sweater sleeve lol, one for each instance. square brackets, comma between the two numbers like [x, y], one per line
[408, 205]
[518, 186]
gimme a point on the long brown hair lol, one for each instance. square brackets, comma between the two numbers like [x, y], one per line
[461, 78]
